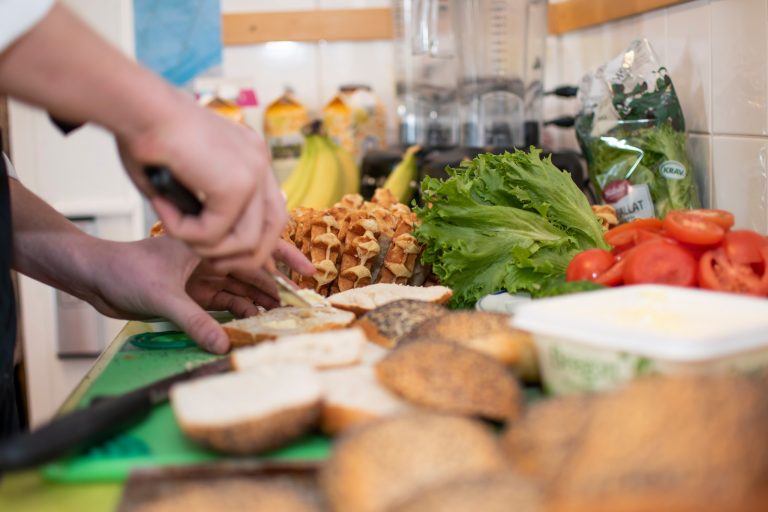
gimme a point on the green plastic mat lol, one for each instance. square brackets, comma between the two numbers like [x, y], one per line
[156, 440]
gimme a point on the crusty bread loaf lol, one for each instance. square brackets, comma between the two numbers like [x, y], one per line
[285, 321]
[507, 492]
[361, 300]
[490, 333]
[380, 464]
[249, 412]
[387, 324]
[328, 349]
[229, 495]
[538, 445]
[673, 444]
[353, 396]
[451, 378]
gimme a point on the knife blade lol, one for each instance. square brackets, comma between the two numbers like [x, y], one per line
[101, 419]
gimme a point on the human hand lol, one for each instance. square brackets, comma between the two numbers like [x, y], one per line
[163, 277]
[228, 166]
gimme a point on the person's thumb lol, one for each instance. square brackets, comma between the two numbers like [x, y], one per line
[197, 323]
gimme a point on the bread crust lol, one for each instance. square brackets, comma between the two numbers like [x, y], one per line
[335, 418]
[257, 435]
[241, 338]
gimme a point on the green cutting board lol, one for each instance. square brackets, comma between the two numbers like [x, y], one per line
[156, 440]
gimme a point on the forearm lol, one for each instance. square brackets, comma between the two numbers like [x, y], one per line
[48, 247]
[65, 67]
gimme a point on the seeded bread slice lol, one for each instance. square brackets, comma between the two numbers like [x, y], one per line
[489, 333]
[285, 321]
[450, 378]
[380, 464]
[387, 324]
[328, 349]
[249, 412]
[362, 300]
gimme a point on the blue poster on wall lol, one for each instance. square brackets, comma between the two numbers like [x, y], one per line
[178, 39]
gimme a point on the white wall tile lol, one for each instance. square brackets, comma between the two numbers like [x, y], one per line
[689, 61]
[273, 66]
[582, 52]
[739, 67]
[700, 153]
[741, 179]
[621, 33]
[370, 63]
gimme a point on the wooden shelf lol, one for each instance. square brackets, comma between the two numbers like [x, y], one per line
[577, 14]
[320, 25]
[376, 24]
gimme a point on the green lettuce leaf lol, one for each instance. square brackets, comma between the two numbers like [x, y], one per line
[505, 221]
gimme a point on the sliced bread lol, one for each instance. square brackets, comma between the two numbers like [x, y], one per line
[380, 464]
[450, 378]
[489, 333]
[361, 300]
[328, 349]
[353, 396]
[387, 324]
[249, 412]
[285, 321]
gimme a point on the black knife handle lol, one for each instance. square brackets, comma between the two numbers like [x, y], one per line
[169, 188]
[76, 430]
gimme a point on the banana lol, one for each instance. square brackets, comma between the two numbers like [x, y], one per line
[297, 183]
[326, 185]
[399, 180]
[350, 169]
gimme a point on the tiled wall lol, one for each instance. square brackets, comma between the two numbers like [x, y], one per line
[716, 52]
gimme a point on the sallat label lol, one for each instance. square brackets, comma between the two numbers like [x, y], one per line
[672, 170]
[631, 201]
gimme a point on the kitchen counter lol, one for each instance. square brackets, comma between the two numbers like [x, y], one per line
[30, 491]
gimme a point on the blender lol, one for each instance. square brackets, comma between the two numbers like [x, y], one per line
[498, 46]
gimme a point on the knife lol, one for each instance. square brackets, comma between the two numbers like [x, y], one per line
[101, 419]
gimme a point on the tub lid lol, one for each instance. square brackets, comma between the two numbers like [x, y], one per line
[666, 322]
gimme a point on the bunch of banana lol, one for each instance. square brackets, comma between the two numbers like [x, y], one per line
[324, 173]
[401, 180]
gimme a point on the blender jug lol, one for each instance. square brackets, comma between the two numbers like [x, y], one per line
[499, 49]
[425, 82]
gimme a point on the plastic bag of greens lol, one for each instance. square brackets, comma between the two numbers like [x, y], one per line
[632, 132]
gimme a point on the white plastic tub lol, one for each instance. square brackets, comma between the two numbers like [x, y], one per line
[599, 340]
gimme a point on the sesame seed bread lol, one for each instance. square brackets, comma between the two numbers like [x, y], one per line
[249, 412]
[450, 378]
[376, 466]
[353, 396]
[362, 300]
[327, 349]
[387, 324]
[283, 322]
[497, 493]
[489, 333]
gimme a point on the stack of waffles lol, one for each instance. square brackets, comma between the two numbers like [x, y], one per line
[356, 243]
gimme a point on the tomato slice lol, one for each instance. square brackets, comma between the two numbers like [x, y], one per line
[722, 218]
[614, 276]
[717, 272]
[690, 228]
[589, 264]
[660, 263]
[744, 246]
[625, 234]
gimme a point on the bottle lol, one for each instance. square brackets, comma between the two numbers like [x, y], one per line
[283, 120]
[356, 120]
